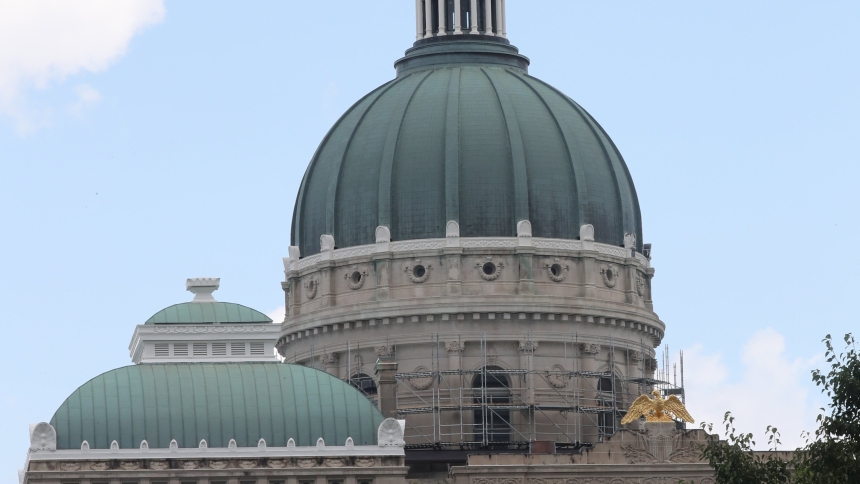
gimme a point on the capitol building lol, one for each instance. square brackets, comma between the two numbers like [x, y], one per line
[468, 299]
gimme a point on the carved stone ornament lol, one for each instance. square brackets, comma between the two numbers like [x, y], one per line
[276, 463]
[556, 270]
[635, 356]
[421, 382]
[384, 351]
[662, 443]
[390, 434]
[556, 376]
[189, 464]
[640, 284]
[70, 466]
[610, 275]
[335, 462]
[129, 465]
[160, 465]
[306, 463]
[492, 354]
[311, 286]
[489, 270]
[248, 463]
[330, 359]
[528, 346]
[590, 350]
[218, 464]
[355, 279]
[365, 462]
[418, 272]
[99, 465]
[455, 346]
[43, 437]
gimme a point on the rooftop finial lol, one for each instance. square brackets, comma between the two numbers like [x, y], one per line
[202, 288]
[437, 18]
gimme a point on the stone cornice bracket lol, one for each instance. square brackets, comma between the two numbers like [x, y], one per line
[326, 243]
[591, 350]
[586, 236]
[383, 235]
[527, 346]
[455, 346]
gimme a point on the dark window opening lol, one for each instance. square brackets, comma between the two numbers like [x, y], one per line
[364, 383]
[492, 422]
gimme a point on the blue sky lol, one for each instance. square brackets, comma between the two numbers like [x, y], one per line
[144, 143]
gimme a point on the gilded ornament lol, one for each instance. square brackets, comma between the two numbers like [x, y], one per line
[657, 409]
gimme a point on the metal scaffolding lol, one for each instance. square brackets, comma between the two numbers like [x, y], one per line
[483, 403]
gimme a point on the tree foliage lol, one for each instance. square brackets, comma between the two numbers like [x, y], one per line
[831, 454]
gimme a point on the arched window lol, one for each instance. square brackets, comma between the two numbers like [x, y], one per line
[493, 419]
[365, 383]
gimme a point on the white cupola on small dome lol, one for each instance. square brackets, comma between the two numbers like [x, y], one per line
[204, 330]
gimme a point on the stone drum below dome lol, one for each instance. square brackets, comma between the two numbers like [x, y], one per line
[465, 134]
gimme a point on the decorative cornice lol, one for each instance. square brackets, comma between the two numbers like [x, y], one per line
[503, 243]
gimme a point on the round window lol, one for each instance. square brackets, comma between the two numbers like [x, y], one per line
[489, 268]
[556, 270]
[419, 271]
[355, 277]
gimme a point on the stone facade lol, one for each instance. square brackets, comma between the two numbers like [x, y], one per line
[343, 464]
[554, 309]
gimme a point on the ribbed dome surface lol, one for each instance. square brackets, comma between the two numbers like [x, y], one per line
[217, 402]
[481, 144]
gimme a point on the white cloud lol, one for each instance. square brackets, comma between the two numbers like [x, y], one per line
[772, 389]
[87, 97]
[278, 314]
[45, 41]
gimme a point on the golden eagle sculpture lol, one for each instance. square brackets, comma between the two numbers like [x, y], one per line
[657, 409]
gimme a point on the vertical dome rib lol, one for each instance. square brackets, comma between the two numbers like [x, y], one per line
[388, 152]
[486, 171]
[580, 191]
[334, 182]
[599, 212]
[308, 241]
[418, 170]
[518, 156]
[452, 149]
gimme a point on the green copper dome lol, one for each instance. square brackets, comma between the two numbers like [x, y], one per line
[464, 133]
[216, 402]
[208, 313]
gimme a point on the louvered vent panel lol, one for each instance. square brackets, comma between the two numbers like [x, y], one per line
[180, 349]
[162, 349]
[237, 349]
[258, 349]
[219, 349]
[200, 349]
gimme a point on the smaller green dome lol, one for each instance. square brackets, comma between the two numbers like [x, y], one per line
[190, 402]
[208, 313]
